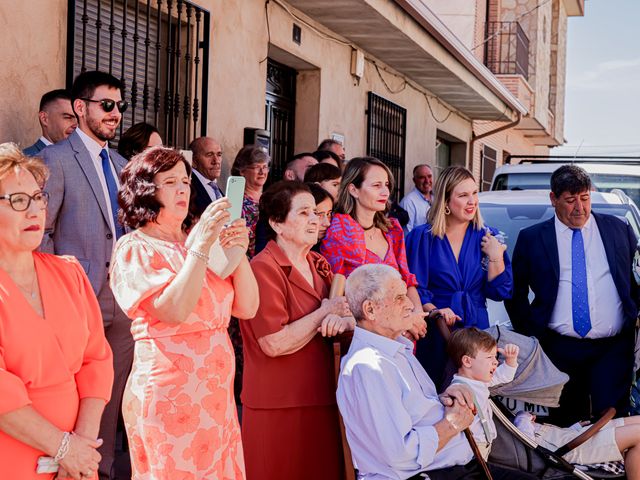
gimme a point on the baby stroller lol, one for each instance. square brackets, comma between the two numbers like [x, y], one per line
[538, 381]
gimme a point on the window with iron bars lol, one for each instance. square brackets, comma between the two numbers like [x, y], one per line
[488, 161]
[159, 49]
[387, 137]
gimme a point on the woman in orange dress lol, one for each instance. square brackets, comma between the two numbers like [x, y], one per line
[178, 404]
[56, 366]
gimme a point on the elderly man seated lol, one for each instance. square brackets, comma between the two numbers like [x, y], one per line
[397, 426]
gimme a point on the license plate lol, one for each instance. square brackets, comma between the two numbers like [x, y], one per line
[516, 406]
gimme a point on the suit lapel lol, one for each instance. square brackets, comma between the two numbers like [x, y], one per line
[609, 242]
[87, 166]
[548, 234]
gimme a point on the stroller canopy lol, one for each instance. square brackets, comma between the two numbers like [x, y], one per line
[537, 380]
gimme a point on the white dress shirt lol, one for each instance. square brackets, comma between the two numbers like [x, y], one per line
[94, 149]
[45, 140]
[205, 183]
[390, 406]
[417, 207]
[605, 306]
[503, 374]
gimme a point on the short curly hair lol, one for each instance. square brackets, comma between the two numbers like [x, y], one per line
[137, 195]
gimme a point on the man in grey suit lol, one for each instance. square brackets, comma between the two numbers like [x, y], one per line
[82, 219]
[57, 120]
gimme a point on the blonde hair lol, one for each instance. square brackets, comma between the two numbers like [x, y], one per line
[354, 174]
[449, 179]
[12, 160]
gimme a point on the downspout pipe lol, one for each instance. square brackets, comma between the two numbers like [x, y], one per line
[475, 138]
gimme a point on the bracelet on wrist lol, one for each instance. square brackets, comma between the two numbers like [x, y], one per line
[202, 256]
[63, 449]
[499, 259]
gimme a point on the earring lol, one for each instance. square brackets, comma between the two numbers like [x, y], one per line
[447, 210]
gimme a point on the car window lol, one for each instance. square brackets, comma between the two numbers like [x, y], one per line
[522, 181]
[510, 219]
[603, 182]
[629, 184]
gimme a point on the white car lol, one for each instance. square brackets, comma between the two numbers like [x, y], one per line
[624, 175]
[511, 211]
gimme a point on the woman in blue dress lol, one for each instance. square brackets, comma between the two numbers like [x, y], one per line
[458, 263]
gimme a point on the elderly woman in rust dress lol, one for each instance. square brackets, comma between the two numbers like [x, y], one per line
[290, 423]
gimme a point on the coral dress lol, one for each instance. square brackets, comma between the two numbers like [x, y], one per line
[50, 362]
[178, 404]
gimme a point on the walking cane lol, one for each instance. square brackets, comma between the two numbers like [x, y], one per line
[446, 333]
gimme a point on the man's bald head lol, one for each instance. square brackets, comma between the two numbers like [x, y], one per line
[207, 157]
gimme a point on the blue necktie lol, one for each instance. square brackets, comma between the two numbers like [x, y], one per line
[216, 189]
[112, 187]
[579, 290]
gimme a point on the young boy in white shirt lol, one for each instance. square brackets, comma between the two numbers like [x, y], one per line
[475, 354]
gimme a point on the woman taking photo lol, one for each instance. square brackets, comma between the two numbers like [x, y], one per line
[360, 231]
[458, 263]
[290, 423]
[178, 404]
[56, 366]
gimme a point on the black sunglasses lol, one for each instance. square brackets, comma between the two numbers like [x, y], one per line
[107, 104]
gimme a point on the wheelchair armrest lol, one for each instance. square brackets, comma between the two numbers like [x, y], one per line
[587, 434]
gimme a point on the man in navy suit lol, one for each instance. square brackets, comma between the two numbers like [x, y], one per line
[578, 265]
[207, 166]
[82, 221]
[57, 120]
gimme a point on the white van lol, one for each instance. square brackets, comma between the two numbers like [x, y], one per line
[534, 173]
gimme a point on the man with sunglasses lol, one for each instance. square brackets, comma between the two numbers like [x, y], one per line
[82, 219]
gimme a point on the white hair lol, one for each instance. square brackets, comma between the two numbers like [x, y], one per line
[367, 282]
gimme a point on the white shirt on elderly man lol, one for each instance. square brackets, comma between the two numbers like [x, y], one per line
[390, 406]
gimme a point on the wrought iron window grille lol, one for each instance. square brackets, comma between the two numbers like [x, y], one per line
[387, 137]
[159, 49]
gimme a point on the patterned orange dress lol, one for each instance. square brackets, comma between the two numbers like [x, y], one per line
[178, 404]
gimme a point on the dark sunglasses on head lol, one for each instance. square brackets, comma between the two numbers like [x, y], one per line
[107, 104]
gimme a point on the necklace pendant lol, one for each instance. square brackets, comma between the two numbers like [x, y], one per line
[33, 295]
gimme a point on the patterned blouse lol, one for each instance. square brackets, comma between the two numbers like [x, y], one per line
[250, 213]
[345, 248]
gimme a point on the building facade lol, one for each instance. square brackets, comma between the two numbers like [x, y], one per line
[409, 81]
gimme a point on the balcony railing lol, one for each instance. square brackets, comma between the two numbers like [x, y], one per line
[507, 49]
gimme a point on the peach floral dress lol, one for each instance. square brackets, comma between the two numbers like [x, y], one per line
[178, 404]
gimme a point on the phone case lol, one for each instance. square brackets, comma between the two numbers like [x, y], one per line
[235, 195]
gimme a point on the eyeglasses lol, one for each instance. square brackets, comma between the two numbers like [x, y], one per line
[174, 184]
[108, 105]
[22, 201]
[258, 168]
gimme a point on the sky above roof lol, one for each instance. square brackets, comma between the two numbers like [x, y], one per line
[603, 80]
